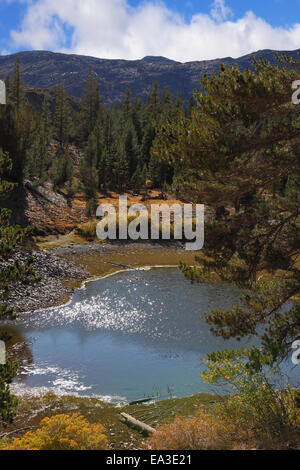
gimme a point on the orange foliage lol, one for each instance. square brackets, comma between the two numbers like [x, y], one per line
[200, 432]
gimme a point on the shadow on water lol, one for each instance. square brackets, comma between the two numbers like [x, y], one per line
[19, 348]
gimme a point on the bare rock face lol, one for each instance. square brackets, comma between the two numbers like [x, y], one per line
[48, 211]
[51, 212]
[42, 69]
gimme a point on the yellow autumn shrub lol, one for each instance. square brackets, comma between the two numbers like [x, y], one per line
[87, 230]
[63, 432]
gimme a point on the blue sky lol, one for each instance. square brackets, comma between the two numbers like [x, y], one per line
[277, 12]
[179, 29]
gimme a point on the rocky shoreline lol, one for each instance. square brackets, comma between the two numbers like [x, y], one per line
[51, 289]
[64, 267]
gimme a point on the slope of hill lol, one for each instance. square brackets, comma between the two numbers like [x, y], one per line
[42, 69]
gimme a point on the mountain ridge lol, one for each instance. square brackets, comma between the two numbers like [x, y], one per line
[45, 69]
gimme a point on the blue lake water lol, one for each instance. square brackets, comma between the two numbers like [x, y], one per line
[123, 337]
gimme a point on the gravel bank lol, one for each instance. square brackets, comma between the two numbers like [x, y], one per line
[50, 290]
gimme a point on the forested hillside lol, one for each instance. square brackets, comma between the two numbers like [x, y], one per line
[83, 147]
[42, 69]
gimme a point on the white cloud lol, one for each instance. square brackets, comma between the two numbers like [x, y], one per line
[113, 29]
[220, 11]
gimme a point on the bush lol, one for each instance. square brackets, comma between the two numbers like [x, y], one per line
[62, 432]
[261, 403]
[88, 230]
[262, 412]
[201, 432]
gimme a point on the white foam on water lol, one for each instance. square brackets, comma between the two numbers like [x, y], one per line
[62, 382]
[20, 390]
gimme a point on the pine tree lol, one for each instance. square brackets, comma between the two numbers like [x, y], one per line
[131, 148]
[88, 168]
[62, 117]
[18, 126]
[179, 103]
[126, 106]
[137, 111]
[16, 87]
[90, 106]
[147, 141]
[63, 168]
[137, 180]
[121, 168]
[154, 103]
[39, 161]
[242, 139]
[107, 177]
[167, 105]
[190, 107]
[10, 238]
[155, 172]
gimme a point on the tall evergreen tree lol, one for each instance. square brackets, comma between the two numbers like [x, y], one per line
[138, 178]
[137, 119]
[90, 105]
[154, 103]
[107, 177]
[242, 138]
[88, 168]
[190, 107]
[121, 167]
[126, 106]
[39, 161]
[16, 87]
[10, 238]
[147, 141]
[62, 117]
[131, 148]
[18, 126]
[63, 168]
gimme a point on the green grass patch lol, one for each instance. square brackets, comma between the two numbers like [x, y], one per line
[33, 409]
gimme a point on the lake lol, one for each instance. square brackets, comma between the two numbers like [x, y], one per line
[133, 334]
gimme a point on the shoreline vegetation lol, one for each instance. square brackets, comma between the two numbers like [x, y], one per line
[86, 262]
[32, 409]
[90, 261]
[233, 147]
